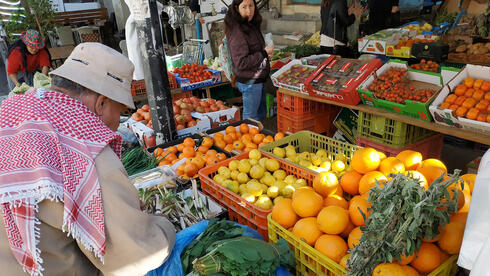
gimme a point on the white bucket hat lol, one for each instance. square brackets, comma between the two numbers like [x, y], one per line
[100, 69]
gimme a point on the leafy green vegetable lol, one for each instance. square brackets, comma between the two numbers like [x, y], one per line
[303, 50]
[217, 230]
[245, 256]
[136, 161]
[403, 214]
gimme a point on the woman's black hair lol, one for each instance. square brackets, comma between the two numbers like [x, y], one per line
[233, 16]
[325, 3]
[23, 51]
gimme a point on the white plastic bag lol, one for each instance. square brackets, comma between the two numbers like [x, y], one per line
[268, 40]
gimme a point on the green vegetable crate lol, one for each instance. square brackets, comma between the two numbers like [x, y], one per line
[389, 132]
[311, 142]
[310, 261]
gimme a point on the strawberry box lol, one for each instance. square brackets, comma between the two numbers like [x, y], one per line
[292, 75]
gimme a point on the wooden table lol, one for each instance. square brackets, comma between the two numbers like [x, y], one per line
[59, 54]
[461, 133]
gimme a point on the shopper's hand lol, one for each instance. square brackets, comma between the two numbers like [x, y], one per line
[394, 9]
[201, 20]
[269, 50]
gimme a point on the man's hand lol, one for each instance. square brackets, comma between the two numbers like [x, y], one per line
[201, 20]
[394, 9]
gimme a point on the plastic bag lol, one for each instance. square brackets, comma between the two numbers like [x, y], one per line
[41, 81]
[173, 265]
[268, 40]
[225, 58]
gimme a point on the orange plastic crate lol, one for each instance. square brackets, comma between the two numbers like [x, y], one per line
[238, 209]
[297, 107]
[139, 87]
[181, 95]
[320, 122]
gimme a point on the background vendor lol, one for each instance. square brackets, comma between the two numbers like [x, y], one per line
[25, 57]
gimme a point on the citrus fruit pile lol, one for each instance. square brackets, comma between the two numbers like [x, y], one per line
[243, 138]
[259, 180]
[197, 157]
[328, 215]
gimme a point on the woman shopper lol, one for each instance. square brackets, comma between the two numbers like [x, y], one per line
[383, 14]
[336, 17]
[249, 54]
[25, 57]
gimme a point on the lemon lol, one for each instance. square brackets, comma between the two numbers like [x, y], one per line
[290, 160]
[290, 179]
[326, 165]
[253, 162]
[305, 163]
[264, 202]
[257, 172]
[291, 147]
[225, 172]
[280, 152]
[316, 160]
[249, 197]
[279, 184]
[338, 166]
[299, 183]
[277, 199]
[227, 182]
[273, 191]
[267, 180]
[234, 174]
[272, 165]
[322, 154]
[297, 159]
[244, 166]
[242, 178]
[254, 188]
[232, 186]
[242, 188]
[291, 153]
[267, 173]
[264, 188]
[288, 191]
[341, 157]
[305, 155]
[219, 179]
[255, 154]
[233, 166]
[262, 161]
[279, 175]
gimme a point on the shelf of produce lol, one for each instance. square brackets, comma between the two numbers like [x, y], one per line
[464, 134]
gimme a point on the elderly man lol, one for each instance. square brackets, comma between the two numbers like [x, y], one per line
[68, 207]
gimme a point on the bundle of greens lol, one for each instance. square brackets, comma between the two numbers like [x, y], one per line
[245, 256]
[136, 161]
[303, 50]
[217, 230]
[403, 214]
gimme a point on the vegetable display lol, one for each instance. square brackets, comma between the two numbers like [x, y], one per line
[303, 50]
[136, 161]
[429, 66]
[193, 72]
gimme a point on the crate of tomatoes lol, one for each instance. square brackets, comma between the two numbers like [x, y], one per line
[397, 88]
[465, 101]
[194, 76]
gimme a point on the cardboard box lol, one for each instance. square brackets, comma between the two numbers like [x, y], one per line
[221, 117]
[346, 122]
[376, 43]
[298, 88]
[446, 116]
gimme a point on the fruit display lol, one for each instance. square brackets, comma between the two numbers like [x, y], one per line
[329, 215]
[243, 138]
[293, 76]
[315, 60]
[428, 66]
[476, 53]
[314, 39]
[394, 86]
[408, 42]
[184, 107]
[193, 72]
[197, 154]
[470, 99]
[258, 180]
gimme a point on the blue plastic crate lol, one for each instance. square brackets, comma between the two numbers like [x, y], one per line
[186, 85]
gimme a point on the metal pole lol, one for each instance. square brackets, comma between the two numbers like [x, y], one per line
[155, 71]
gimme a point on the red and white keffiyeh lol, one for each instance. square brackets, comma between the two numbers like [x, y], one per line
[48, 144]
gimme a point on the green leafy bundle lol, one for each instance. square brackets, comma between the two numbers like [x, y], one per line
[303, 50]
[217, 230]
[137, 160]
[245, 256]
[403, 214]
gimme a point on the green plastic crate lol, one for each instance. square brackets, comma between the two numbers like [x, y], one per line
[311, 142]
[389, 132]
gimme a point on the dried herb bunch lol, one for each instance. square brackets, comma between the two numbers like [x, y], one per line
[403, 214]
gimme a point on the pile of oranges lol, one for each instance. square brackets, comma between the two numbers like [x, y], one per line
[328, 215]
[244, 139]
[471, 99]
[197, 157]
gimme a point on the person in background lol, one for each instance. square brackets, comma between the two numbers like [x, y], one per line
[67, 204]
[196, 10]
[25, 57]
[336, 17]
[382, 14]
[249, 54]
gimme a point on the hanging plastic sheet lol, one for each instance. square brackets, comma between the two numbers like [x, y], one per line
[178, 15]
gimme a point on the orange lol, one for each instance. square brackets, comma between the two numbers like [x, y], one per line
[469, 82]
[163, 163]
[325, 183]
[171, 157]
[467, 201]
[365, 160]
[354, 237]
[172, 149]
[350, 182]
[238, 145]
[344, 260]
[252, 131]
[278, 136]
[244, 128]
[410, 271]
[257, 139]
[404, 260]
[452, 237]
[420, 177]
[307, 203]
[203, 149]
[347, 230]
[427, 258]
[211, 160]
[335, 200]
[199, 162]
[190, 169]
[339, 191]
[158, 152]
[331, 246]
[211, 153]
[207, 142]
[233, 136]
[180, 147]
[382, 156]
[180, 170]
[444, 256]
[189, 151]
[307, 230]
[388, 269]
[238, 135]
[391, 165]
[469, 179]
[332, 220]
[228, 148]
[220, 156]
[268, 139]
[246, 137]
[220, 143]
[218, 135]
[228, 139]
[189, 142]
[356, 203]
[251, 145]
[432, 169]
[230, 129]
[283, 213]
[369, 180]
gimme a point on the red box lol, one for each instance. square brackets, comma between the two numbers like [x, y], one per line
[297, 106]
[319, 122]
